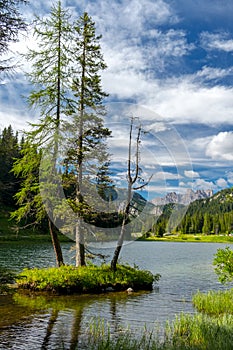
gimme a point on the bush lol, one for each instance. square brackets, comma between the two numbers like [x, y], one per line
[224, 264]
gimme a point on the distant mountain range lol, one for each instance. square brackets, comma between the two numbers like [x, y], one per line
[212, 214]
[188, 197]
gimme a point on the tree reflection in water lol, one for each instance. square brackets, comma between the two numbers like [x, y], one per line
[62, 322]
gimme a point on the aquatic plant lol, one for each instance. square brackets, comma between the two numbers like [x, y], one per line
[214, 302]
[186, 332]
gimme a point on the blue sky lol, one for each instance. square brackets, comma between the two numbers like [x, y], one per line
[170, 63]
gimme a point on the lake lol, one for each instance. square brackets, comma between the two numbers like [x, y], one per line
[59, 322]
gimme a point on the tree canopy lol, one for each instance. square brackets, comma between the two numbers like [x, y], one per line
[11, 23]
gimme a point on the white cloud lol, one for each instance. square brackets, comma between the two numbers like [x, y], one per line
[130, 62]
[221, 146]
[18, 121]
[230, 177]
[157, 127]
[210, 73]
[183, 101]
[191, 173]
[129, 17]
[138, 50]
[201, 184]
[165, 46]
[163, 175]
[222, 183]
[175, 100]
[218, 41]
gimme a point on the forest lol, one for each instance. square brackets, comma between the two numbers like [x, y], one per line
[205, 216]
[10, 147]
[212, 215]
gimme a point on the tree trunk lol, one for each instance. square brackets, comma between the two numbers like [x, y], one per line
[118, 247]
[80, 247]
[56, 244]
[121, 237]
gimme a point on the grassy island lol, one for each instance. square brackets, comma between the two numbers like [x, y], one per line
[85, 279]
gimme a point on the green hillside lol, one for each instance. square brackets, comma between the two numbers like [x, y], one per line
[212, 215]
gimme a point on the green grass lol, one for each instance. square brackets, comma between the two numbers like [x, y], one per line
[186, 332]
[192, 238]
[212, 329]
[69, 279]
[201, 332]
[214, 303]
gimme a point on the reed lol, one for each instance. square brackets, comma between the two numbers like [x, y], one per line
[214, 302]
[186, 332]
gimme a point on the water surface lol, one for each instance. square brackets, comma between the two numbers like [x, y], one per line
[36, 322]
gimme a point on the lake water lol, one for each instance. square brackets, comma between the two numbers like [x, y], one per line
[54, 323]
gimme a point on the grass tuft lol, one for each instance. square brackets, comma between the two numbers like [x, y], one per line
[214, 302]
[186, 332]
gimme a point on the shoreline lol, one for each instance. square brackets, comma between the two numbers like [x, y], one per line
[190, 238]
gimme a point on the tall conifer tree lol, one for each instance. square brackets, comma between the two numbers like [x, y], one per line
[49, 76]
[86, 146]
[67, 86]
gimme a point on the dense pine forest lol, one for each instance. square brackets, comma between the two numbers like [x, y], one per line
[10, 146]
[212, 215]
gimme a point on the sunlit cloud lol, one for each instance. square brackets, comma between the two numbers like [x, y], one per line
[221, 146]
[161, 58]
[191, 174]
[221, 183]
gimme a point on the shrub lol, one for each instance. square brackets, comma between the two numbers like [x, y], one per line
[224, 264]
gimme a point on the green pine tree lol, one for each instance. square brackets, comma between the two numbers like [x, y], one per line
[50, 76]
[9, 150]
[87, 150]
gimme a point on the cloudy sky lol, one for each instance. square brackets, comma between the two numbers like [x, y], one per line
[170, 63]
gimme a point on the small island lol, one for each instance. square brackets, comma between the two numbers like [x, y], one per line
[83, 279]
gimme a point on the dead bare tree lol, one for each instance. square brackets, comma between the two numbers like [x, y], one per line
[133, 176]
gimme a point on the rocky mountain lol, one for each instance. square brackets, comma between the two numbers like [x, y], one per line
[186, 198]
[210, 215]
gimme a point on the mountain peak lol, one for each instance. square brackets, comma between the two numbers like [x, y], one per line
[186, 198]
